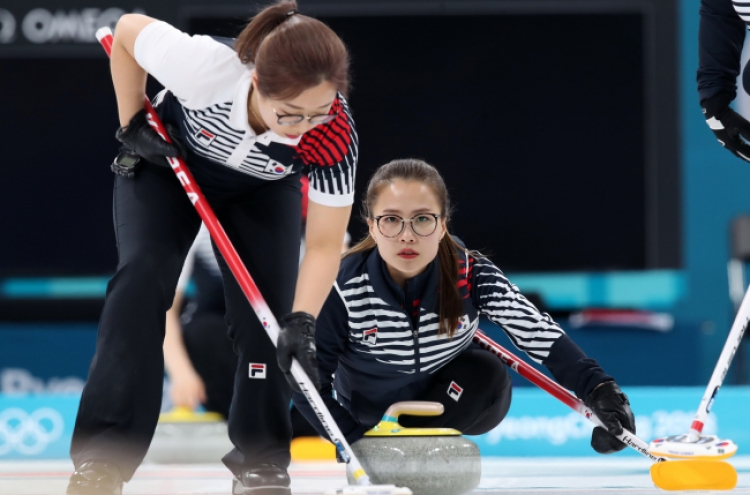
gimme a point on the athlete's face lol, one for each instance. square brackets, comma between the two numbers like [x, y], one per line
[312, 101]
[407, 254]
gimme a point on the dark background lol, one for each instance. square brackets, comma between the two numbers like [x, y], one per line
[536, 121]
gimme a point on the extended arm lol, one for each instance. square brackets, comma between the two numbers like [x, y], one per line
[545, 342]
[187, 388]
[326, 228]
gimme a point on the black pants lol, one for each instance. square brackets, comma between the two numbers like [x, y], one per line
[155, 225]
[215, 362]
[479, 400]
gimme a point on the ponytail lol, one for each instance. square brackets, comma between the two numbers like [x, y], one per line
[292, 52]
[262, 25]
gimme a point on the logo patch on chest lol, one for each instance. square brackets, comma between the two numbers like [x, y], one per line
[257, 371]
[278, 168]
[370, 336]
[455, 391]
[204, 137]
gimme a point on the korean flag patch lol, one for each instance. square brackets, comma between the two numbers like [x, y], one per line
[370, 336]
[278, 168]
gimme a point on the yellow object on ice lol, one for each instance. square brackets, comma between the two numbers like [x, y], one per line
[694, 475]
[312, 449]
[389, 426]
[187, 415]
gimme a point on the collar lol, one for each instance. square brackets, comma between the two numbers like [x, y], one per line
[238, 115]
[423, 287]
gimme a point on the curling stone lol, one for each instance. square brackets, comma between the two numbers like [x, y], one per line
[429, 461]
[186, 437]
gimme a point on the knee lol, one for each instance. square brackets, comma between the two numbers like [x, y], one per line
[497, 395]
[151, 271]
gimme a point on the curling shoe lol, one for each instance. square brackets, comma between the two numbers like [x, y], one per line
[263, 479]
[96, 478]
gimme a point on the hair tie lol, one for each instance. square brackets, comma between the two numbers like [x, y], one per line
[292, 12]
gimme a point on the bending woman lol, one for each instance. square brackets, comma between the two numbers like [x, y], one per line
[251, 117]
[399, 322]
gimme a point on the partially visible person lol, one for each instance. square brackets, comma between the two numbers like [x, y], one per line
[399, 321]
[198, 354]
[721, 36]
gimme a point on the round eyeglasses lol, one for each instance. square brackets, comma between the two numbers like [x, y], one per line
[292, 119]
[423, 224]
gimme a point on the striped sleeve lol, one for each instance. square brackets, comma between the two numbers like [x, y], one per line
[498, 299]
[331, 152]
[533, 332]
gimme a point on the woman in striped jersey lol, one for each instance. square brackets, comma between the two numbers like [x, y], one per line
[399, 322]
[251, 116]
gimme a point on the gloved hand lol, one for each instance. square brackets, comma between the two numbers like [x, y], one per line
[728, 126]
[141, 138]
[297, 339]
[612, 407]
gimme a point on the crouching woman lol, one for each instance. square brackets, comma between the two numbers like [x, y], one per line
[399, 321]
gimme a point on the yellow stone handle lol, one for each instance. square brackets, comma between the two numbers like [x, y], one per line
[413, 408]
[389, 427]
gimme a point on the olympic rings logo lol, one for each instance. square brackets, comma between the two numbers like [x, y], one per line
[29, 434]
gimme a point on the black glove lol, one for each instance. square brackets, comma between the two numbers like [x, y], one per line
[729, 127]
[612, 407]
[140, 137]
[297, 339]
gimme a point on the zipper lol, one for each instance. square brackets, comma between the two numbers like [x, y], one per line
[409, 303]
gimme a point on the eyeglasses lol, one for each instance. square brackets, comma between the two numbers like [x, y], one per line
[290, 119]
[423, 224]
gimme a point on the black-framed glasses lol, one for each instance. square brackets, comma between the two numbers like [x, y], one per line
[292, 119]
[422, 224]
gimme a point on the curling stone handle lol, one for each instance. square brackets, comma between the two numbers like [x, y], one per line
[415, 408]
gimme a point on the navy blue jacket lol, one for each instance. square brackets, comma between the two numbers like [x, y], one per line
[378, 344]
[720, 40]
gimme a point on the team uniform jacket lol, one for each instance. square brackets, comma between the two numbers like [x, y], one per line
[206, 98]
[378, 344]
[720, 41]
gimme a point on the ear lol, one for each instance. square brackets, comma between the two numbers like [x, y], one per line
[443, 228]
[371, 227]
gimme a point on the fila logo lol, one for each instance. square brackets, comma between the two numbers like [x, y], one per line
[274, 167]
[257, 371]
[204, 137]
[454, 391]
[370, 336]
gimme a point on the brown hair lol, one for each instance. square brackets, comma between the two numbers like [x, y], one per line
[292, 52]
[450, 304]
